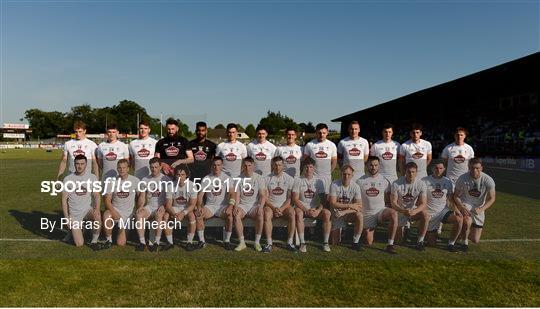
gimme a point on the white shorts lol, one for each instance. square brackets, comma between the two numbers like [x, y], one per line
[214, 209]
[151, 210]
[341, 222]
[436, 219]
[177, 209]
[249, 210]
[124, 214]
[402, 220]
[477, 220]
[80, 215]
[371, 220]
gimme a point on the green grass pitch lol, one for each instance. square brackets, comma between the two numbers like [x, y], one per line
[52, 273]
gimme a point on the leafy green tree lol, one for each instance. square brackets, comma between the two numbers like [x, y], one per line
[250, 130]
[276, 122]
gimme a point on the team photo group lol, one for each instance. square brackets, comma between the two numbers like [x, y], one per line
[385, 183]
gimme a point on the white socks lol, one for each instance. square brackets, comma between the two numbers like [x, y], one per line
[420, 238]
[170, 239]
[201, 235]
[390, 242]
[95, 238]
[257, 238]
[227, 237]
[326, 237]
[142, 240]
[109, 238]
[301, 236]
[190, 238]
[356, 238]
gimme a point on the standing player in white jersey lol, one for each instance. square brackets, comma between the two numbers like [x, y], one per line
[78, 146]
[291, 153]
[181, 202]
[408, 198]
[375, 190]
[141, 150]
[217, 198]
[346, 201]
[439, 202]
[151, 203]
[120, 200]
[353, 150]
[250, 198]
[387, 152]
[81, 206]
[474, 194]
[278, 204]
[308, 196]
[262, 151]
[457, 155]
[232, 152]
[324, 152]
[110, 152]
[415, 150]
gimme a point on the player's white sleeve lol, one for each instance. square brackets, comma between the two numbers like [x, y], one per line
[444, 153]
[340, 148]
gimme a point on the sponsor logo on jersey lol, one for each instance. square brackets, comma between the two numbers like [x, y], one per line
[78, 152]
[309, 194]
[408, 198]
[111, 156]
[81, 191]
[321, 155]
[290, 159]
[344, 199]
[230, 157]
[277, 191]
[200, 155]
[122, 194]
[437, 193]
[260, 156]
[355, 152]
[474, 192]
[172, 151]
[156, 193]
[143, 153]
[372, 192]
[249, 193]
[417, 155]
[181, 200]
[387, 155]
[459, 159]
[216, 192]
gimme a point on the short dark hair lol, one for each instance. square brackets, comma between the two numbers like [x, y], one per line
[373, 158]
[122, 161]
[112, 126]
[474, 161]
[321, 126]
[171, 121]
[411, 165]
[461, 129]
[144, 122]
[261, 127]
[201, 124]
[354, 122]
[439, 161]
[217, 158]
[416, 126]
[388, 125]
[79, 125]
[232, 126]
[290, 129]
[80, 157]
[182, 167]
[276, 159]
[154, 160]
[347, 166]
[248, 159]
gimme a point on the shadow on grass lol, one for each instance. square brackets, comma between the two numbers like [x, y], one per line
[31, 221]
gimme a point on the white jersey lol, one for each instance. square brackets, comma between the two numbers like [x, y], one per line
[109, 154]
[309, 191]
[291, 155]
[80, 201]
[387, 154]
[216, 189]
[474, 191]
[232, 154]
[417, 153]
[437, 193]
[345, 195]
[250, 197]
[141, 151]
[408, 193]
[458, 160]
[76, 147]
[124, 200]
[353, 152]
[182, 194]
[156, 190]
[262, 153]
[279, 188]
[373, 190]
[322, 153]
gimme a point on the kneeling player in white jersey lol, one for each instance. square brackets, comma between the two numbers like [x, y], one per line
[180, 205]
[120, 202]
[375, 189]
[408, 198]
[217, 198]
[81, 206]
[346, 201]
[308, 196]
[151, 204]
[278, 204]
[474, 194]
[439, 200]
[250, 199]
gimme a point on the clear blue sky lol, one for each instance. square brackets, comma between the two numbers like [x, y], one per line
[234, 60]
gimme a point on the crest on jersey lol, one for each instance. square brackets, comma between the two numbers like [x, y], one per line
[309, 194]
[81, 191]
[249, 193]
[408, 198]
[172, 151]
[290, 159]
[181, 200]
[474, 192]
[200, 155]
[230, 157]
[459, 159]
[321, 155]
[355, 152]
[387, 155]
[437, 193]
[344, 199]
[216, 192]
[143, 153]
[122, 194]
[277, 191]
[111, 156]
[372, 192]
[78, 152]
[417, 155]
[260, 156]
